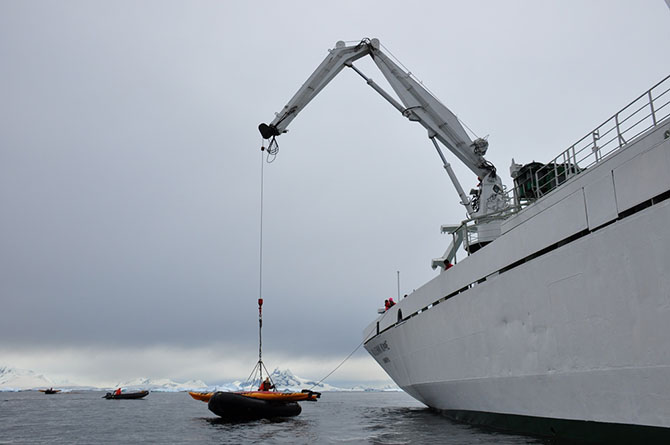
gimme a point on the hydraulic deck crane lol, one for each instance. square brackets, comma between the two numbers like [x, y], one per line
[418, 105]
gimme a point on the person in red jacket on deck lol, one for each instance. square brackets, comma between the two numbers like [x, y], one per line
[117, 392]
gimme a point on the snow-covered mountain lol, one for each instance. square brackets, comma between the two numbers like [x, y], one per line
[163, 385]
[285, 380]
[12, 379]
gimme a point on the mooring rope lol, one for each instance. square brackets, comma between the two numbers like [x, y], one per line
[346, 358]
[338, 366]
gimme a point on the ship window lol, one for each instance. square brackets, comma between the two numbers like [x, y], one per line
[399, 315]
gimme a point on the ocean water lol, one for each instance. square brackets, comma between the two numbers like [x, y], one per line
[175, 418]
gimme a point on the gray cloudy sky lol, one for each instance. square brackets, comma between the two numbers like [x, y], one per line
[130, 167]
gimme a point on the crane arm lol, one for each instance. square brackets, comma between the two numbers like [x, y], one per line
[418, 104]
[421, 106]
[336, 60]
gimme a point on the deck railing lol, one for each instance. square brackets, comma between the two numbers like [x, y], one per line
[642, 114]
[645, 112]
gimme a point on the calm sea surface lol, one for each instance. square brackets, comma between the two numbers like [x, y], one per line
[165, 418]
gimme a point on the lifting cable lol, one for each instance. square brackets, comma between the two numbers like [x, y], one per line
[260, 253]
[272, 151]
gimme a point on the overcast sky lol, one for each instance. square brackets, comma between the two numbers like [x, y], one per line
[130, 167]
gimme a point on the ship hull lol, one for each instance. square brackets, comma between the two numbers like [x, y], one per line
[566, 337]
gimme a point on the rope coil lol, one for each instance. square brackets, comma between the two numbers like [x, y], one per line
[272, 149]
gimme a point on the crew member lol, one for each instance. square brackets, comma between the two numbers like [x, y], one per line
[266, 385]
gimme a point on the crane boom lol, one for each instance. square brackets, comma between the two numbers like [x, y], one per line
[338, 58]
[417, 104]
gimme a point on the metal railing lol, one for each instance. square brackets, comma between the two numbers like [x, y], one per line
[645, 112]
[642, 114]
[466, 234]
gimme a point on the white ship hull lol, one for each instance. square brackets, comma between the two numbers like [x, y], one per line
[566, 316]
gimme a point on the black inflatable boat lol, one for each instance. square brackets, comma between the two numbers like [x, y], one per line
[235, 406]
[126, 395]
